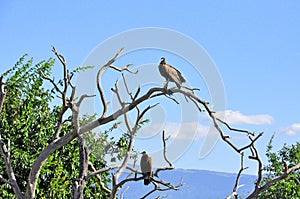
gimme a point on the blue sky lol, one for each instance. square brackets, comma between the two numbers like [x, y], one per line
[254, 45]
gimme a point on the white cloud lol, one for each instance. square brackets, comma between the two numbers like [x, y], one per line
[292, 129]
[196, 130]
[236, 117]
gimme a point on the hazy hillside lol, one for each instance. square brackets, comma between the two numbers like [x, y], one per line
[198, 184]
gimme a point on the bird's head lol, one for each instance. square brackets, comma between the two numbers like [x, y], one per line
[144, 152]
[162, 60]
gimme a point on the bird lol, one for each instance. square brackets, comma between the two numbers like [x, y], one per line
[170, 73]
[146, 167]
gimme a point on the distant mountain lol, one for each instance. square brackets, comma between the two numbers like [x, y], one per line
[198, 184]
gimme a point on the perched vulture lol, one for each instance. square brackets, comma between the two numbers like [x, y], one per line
[170, 73]
[146, 167]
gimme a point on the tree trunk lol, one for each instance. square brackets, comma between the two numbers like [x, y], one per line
[79, 185]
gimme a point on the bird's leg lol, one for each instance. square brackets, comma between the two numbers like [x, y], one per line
[166, 84]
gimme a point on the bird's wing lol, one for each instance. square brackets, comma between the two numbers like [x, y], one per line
[150, 164]
[143, 166]
[146, 164]
[180, 76]
[174, 74]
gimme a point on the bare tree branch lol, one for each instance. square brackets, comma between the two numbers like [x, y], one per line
[9, 169]
[52, 82]
[3, 179]
[123, 192]
[2, 93]
[155, 182]
[66, 102]
[82, 98]
[125, 68]
[65, 75]
[158, 188]
[256, 157]
[5, 151]
[127, 89]
[285, 174]
[101, 184]
[96, 172]
[235, 129]
[170, 167]
[132, 132]
[237, 185]
[165, 149]
[99, 85]
[116, 91]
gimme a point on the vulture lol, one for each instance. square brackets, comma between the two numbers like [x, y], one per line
[146, 167]
[170, 73]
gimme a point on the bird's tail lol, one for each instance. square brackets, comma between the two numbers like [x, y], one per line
[147, 178]
[146, 181]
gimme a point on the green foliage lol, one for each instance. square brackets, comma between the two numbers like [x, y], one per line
[289, 187]
[81, 68]
[26, 118]
[112, 149]
[29, 119]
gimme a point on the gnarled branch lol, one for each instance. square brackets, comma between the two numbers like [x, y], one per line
[5, 150]
[237, 185]
[258, 189]
[99, 85]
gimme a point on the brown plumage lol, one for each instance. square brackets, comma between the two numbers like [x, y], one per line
[170, 73]
[146, 167]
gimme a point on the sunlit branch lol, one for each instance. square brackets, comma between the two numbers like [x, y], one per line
[237, 185]
[99, 84]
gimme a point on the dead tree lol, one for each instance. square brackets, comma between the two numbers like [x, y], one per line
[87, 170]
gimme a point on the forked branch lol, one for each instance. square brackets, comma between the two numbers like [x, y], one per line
[5, 151]
[99, 77]
[237, 185]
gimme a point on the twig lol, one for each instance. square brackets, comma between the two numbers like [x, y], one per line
[166, 93]
[165, 157]
[124, 68]
[52, 82]
[123, 192]
[66, 102]
[127, 89]
[116, 91]
[165, 149]
[3, 179]
[191, 89]
[235, 129]
[65, 75]
[101, 184]
[82, 98]
[158, 188]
